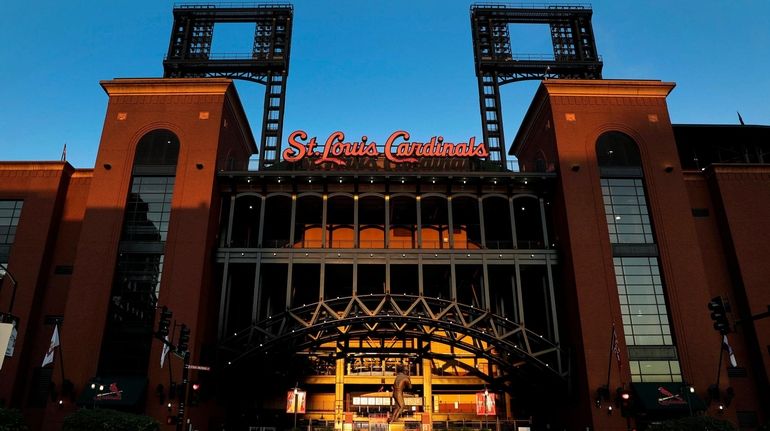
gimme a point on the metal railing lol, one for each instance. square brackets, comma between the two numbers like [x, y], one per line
[234, 5]
[523, 5]
[406, 244]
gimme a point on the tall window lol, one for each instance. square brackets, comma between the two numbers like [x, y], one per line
[651, 349]
[10, 212]
[148, 208]
[626, 209]
[136, 286]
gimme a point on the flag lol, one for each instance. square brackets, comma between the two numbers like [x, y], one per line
[164, 352]
[54, 344]
[730, 353]
[740, 119]
[615, 346]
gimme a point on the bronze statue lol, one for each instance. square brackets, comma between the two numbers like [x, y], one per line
[402, 382]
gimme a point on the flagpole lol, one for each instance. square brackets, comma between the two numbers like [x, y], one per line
[609, 363]
[61, 355]
[170, 374]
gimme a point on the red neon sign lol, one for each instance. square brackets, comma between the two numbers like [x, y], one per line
[398, 148]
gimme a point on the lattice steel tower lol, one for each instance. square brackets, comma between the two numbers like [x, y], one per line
[189, 55]
[574, 56]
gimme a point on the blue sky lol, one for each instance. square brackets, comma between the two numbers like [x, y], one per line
[367, 67]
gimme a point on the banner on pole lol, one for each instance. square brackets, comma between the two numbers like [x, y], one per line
[295, 400]
[51, 347]
[485, 404]
[6, 330]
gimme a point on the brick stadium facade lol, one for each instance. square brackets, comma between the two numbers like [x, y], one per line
[486, 283]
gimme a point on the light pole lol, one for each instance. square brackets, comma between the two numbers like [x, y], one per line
[296, 393]
[486, 408]
[98, 394]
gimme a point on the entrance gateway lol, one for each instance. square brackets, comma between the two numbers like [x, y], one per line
[342, 261]
[334, 279]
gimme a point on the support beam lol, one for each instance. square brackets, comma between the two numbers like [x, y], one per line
[339, 394]
[427, 395]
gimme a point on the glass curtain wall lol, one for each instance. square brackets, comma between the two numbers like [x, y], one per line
[139, 267]
[651, 346]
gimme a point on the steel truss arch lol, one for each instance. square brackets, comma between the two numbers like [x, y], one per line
[517, 351]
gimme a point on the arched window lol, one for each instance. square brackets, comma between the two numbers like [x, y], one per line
[434, 218]
[497, 222]
[277, 222]
[157, 148]
[635, 257]
[465, 222]
[371, 222]
[339, 221]
[136, 285]
[625, 203]
[529, 225]
[148, 207]
[617, 150]
[308, 232]
[403, 222]
[246, 218]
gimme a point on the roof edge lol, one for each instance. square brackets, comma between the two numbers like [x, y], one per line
[165, 86]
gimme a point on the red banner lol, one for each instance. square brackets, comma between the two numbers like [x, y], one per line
[485, 404]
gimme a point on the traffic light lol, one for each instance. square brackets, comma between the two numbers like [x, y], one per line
[719, 309]
[184, 339]
[165, 322]
[625, 401]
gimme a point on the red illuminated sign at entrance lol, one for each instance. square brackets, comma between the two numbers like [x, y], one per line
[398, 148]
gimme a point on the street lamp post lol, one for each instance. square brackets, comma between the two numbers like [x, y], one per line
[296, 393]
[98, 394]
[486, 408]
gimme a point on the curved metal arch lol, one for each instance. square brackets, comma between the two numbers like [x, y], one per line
[306, 194]
[510, 345]
[464, 195]
[371, 195]
[249, 193]
[493, 195]
[338, 194]
[404, 194]
[371, 226]
[525, 196]
[434, 195]
[277, 194]
[334, 227]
